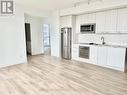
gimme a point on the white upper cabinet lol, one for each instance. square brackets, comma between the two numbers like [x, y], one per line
[88, 18]
[69, 21]
[78, 22]
[122, 21]
[106, 21]
[66, 21]
[110, 21]
[84, 19]
[100, 22]
[91, 18]
[63, 22]
[116, 57]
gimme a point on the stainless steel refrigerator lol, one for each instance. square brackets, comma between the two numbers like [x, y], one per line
[66, 36]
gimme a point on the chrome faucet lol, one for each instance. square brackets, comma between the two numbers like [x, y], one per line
[103, 40]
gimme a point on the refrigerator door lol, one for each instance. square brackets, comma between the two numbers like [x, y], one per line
[66, 43]
[69, 37]
[65, 52]
[65, 37]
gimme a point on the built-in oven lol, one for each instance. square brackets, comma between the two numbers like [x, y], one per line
[84, 52]
[88, 28]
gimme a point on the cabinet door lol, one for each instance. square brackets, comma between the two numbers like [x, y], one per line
[78, 23]
[111, 21]
[81, 19]
[116, 57]
[93, 54]
[102, 56]
[63, 21]
[84, 19]
[66, 21]
[92, 18]
[75, 51]
[122, 21]
[100, 22]
[69, 21]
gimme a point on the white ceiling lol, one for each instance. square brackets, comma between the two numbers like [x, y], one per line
[49, 5]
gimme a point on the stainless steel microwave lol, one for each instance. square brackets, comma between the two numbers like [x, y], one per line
[88, 28]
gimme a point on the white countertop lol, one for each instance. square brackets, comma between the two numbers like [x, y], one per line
[115, 46]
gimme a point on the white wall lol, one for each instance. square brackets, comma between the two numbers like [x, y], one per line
[54, 21]
[55, 34]
[35, 12]
[12, 36]
[36, 34]
[12, 39]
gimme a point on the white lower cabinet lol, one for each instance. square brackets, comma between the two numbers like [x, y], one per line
[105, 56]
[93, 54]
[75, 50]
[102, 56]
[116, 57]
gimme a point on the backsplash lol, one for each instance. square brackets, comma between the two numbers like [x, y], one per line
[110, 39]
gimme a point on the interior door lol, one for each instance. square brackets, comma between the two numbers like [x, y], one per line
[28, 38]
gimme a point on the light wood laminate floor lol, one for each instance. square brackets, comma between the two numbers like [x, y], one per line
[45, 75]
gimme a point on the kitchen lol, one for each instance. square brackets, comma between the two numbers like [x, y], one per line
[75, 47]
[99, 38]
